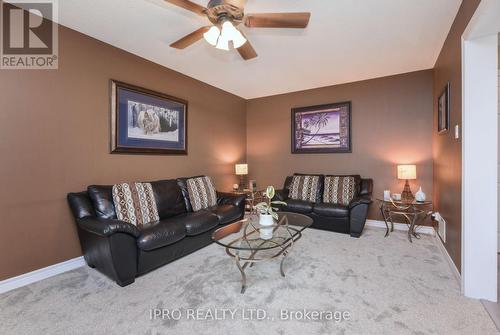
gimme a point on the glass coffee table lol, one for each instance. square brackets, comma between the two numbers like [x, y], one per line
[248, 242]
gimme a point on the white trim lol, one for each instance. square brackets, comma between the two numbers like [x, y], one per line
[452, 264]
[401, 226]
[480, 162]
[498, 238]
[40, 274]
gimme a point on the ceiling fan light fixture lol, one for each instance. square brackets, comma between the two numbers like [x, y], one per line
[222, 43]
[238, 40]
[230, 33]
[212, 35]
[225, 16]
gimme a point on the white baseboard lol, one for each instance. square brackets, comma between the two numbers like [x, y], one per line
[37, 275]
[401, 226]
[452, 265]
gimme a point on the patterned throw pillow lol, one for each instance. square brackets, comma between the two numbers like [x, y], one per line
[304, 188]
[339, 190]
[135, 203]
[202, 193]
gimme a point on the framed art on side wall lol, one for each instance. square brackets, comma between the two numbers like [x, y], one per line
[322, 129]
[147, 122]
[444, 110]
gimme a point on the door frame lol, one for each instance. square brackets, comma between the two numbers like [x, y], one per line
[480, 152]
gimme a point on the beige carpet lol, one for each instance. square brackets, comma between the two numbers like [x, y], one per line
[387, 285]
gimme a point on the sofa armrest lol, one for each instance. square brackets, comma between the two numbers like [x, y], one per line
[358, 212]
[360, 201]
[237, 200]
[280, 195]
[107, 227]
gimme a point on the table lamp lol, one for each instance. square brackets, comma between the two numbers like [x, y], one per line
[407, 172]
[241, 170]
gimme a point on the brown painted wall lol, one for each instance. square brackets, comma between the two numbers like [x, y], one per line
[447, 152]
[391, 124]
[54, 138]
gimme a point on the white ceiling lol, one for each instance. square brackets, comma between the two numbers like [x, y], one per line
[347, 40]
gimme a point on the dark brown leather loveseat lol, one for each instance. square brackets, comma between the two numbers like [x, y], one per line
[348, 219]
[122, 251]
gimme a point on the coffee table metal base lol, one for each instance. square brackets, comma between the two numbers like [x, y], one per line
[243, 262]
[249, 242]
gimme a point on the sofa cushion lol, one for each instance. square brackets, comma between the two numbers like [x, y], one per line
[169, 198]
[202, 193]
[304, 187]
[331, 210]
[226, 213]
[102, 199]
[297, 206]
[159, 234]
[198, 222]
[340, 189]
[182, 183]
[135, 203]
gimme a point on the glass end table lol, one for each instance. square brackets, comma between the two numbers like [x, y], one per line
[252, 197]
[413, 212]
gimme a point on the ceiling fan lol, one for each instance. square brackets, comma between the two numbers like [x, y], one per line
[225, 16]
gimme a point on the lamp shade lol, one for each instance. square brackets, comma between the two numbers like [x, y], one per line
[407, 172]
[241, 169]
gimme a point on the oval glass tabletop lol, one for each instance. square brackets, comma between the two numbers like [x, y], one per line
[402, 202]
[248, 234]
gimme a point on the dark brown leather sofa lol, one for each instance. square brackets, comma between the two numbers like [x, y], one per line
[122, 251]
[348, 219]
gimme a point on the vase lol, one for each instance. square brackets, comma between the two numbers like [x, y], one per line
[266, 220]
[266, 233]
[387, 195]
[420, 195]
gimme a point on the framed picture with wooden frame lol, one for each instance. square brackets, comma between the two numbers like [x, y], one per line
[322, 129]
[444, 110]
[147, 122]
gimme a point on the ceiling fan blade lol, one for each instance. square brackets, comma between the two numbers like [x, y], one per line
[187, 40]
[191, 6]
[277, 20]
[247, 51]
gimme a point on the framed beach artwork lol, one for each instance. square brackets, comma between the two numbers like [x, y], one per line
[147, 122]
[322, 129]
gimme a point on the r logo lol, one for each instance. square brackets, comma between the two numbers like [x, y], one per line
[29, 34]
[27, 30]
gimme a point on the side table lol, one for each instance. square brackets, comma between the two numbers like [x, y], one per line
[252, 197]
[413, 212]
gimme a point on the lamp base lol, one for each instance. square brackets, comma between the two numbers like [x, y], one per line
[242, 183]
[407, 196]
